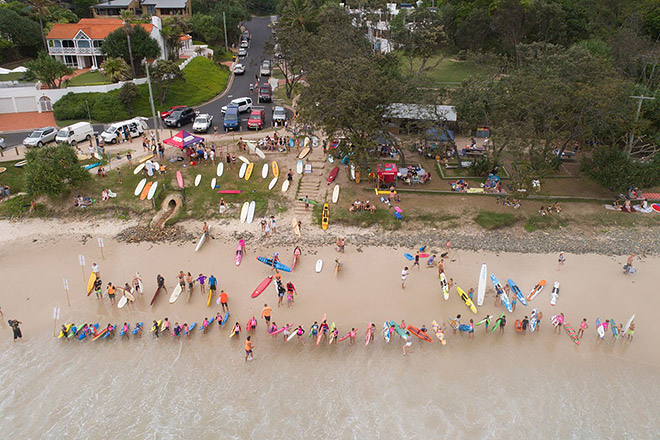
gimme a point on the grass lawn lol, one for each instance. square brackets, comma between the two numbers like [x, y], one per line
[495, 220]
[89, 79]
[280, 93]
[448, 71]
[13, 76]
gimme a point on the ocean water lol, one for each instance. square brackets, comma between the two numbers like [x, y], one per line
[491, 388]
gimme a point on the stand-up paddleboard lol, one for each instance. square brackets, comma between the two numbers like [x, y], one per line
[264, 171]
[244, 211]
[220, 169]
[244, 159]
[299, 167]
[555, 294]
[627, 326]
[152, 191]
[146, 158]
[259, 153]
[175, 293]
[213, 182]
[296, 228]
[515, 289]
[325, 217]
[272, 183]
[138, 168]
[198, 179]
[201, 241]
[333, 175]
[90, 283]
[250, 214]
[122, 302]
[276, 169]
[571, 333]
[420, 334]
[242, 170]
[600, 329]
[532, 321]
[145, 190]
[536, 290]
[439, 333]
[319, 265]
[444, 285]
[481, 290]
[179, 179]
[262, 286]
[502, 293]
[335, 194]
[275, 264]
[303, 154]
[248, 171]
[140, 187]
[466, 299]
[285, 185]
[239, 254]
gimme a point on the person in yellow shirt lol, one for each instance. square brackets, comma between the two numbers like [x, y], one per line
[248, 349]
[111, 293]
[265, 313]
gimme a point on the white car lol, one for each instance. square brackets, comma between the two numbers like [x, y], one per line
[242, 52]
[239, 69]
[244, 105]
[202, 123]
[2, 144]
[40, 137]
[245, 44]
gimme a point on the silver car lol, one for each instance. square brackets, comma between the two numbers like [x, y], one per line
[40, 137]
[279, 115]
[202, 123]
[242, 52]
[2, 144]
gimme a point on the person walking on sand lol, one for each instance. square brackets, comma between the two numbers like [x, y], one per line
[560, 322]
[160, 282]
[156, 329]
[561, 261]
[191, 283]
[416, 263]
[404, 275]
[407, 343]
[631, 332]
[111, 292]
[583, 327]
[502, 323]
[441, 267]
[213, 284]
[248, 349]
[201, 279]
[265, 313]
[224, 301]
[96, 269]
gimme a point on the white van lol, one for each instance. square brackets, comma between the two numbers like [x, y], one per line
[136, 127]
[78, 132]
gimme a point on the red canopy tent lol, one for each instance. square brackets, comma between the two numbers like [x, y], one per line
[183, 139]
[386, 173]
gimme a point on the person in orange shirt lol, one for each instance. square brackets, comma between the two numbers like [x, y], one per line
[265, 313]
[223, 301]
[248, 349]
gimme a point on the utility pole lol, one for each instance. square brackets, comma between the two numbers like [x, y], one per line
[639, 99]
[151, 101]
[224, 23]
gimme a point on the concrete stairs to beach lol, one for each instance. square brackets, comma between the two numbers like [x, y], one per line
[311, 185]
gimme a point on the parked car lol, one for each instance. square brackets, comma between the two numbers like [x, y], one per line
[169, 111]
[242, 52]
[2, 144]
[246, 35]
[265, 93]
[245, 43]
[180, 117]
[40, 137]
[78, 132]
[279, 115]
[239, 69]
[244, 105]
[232, 119]
[202, 123]
[256, 120]
[136, 127]
[265, 68]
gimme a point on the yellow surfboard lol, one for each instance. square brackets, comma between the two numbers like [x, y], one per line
[68, 327]
[90, 283]
[248, 172]
[153, 327]
[208, 302]
[468, 302]
[276, 170]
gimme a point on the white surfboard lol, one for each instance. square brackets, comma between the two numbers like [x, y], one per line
[335, 194]
[138, 169]
[481, 290]
[315, 141]
[201, 241]
[244, 159]
[198, 179]
[352, 171]
[299, 167]
[285, 185]
[244, 211]
[272, 183]
[250, 214]
[306, 144]
[319, 265]
[330, 158]
[175, 294]
[213, 183]
[122, 302]
[140, 187]
[555, 294]
[220, 169]
[627, 326]
[260, 153]
[264, 171]
[152, 191]
[241, 172]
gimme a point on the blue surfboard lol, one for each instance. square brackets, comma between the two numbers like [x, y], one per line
[500, 291]
[408, 256]
[515, 289]
[137, 328]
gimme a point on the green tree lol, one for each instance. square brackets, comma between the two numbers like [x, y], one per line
[173, 28]
[40, 9]
[51, 171]
[116, 69]
[164, 74]
[142, 45]
[289, 55]
[128, 93]
[21, 32]
[48, 70]
[207, 28]
[299, 14]
[83, 8]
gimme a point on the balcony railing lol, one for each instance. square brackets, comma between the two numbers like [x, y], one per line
[74, 50]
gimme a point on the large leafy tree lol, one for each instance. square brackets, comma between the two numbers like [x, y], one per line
[173, 28]
[40, 9]
[164, 74]
[20, 33]
[289, 54]
[48, 70]
[51, 171]
[142, 45]
[116, 69]
[300, 15]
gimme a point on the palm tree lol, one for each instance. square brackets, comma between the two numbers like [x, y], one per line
[129, 18]
[299, 14]
[116, 69]
[41, 8]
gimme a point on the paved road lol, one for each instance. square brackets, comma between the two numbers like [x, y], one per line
[261, 32]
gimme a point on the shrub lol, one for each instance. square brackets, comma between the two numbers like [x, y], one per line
[495, 220]
[51, 171]
[611, 168]
[103, 107]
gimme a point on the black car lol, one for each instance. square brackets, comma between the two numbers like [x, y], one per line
[180, 117]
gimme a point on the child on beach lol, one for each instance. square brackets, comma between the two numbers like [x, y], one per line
[539, 316]
[407, 344]
[514, 301]
[333, 335]
[155, 328]
[218, 317]
[124, 329]
[111, 293]
[404, 275]
[272, 328]
[237, 329]
[561, 261]
[583, 327]
[286, 332]
[631, 331]
[248, 349]
[525, 324]
[431, 261]
[470, 293]
[300, 332]
[560, 321]
[289, 299]
[291, 289]
[280, 294]
[351, 336]
[314, 330]
[324, 328]
[205, 325]
[416, 262]
[471, 331]
[201, 279]
[502, 324]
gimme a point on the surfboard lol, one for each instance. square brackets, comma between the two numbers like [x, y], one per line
[137, 328]
[179, 179]
[264, 171]
[262, 286]
[198, 179]
[386, 332]
[352, 171]
[439, 333]
[296, 228]
[138, 168]
[333, 175]
[408, 256]
[306, 142]
[498, 321]
[285, 185]
[627, 326]
[259, 153]
[466, 299]
[293, 334]
[152, 191]
[532, 321]
[335, 194]
[325, 217]
[600, 329]
[555, 294]
[90, 283]
[156, 326]
[536, 290]
[100, 334]
[146, 158]
[250, 214]
[145, 190]
[248, 171]
[175, 293]
[655, 207]
[276, 264]
[515, 289]
[276, 170]
[201, 241]
[122, 302]
[272, 183]
[68, 328]
[244, 159]
[481, 290]
[319, 265]
[299, 167]
[571, 333]
[502, 293]
[244, 211]
[444, 285]
[220, 169]
[303, 154]
[420, 334]
[242, 170]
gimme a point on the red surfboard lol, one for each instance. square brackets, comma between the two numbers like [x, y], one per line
[261, 287]
[154, 298]
[420, 334]
[655, 207]
[333, 175]
[179, 179]
[230, 191]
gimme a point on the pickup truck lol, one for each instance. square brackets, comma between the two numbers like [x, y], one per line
[265, 93]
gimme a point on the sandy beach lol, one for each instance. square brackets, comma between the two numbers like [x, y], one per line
[505, 370]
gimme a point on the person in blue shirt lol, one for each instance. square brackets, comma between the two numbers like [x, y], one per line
[213, 283]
